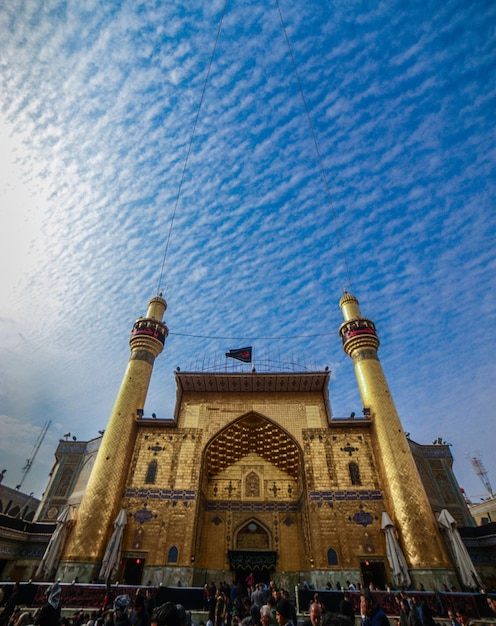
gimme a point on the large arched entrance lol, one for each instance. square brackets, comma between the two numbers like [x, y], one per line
[251, 494]
[252, 553]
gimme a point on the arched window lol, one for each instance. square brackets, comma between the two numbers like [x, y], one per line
[138, 539]
[354, 473]
[172, 556]
[252, 485]
[332, 557]
[151, 473]
[63, 482]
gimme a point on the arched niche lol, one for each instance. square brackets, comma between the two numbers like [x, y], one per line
[252, 433]
[252, 535]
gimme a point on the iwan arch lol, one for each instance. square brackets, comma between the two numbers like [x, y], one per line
[253, 473]
[252, 483]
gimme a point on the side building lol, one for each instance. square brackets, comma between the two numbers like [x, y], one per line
[22, 541]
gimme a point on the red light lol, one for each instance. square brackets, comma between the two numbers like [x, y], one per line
[138, 561]
[367, 563]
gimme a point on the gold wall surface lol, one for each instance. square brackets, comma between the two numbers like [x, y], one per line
[269, 459]
[253, 472]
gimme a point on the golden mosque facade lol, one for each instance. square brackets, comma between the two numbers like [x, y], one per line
[254, 474]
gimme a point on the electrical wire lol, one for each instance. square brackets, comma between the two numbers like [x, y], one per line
[189, 146]
[319, 157]
[255, 338]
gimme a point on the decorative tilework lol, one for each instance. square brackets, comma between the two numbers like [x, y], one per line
[335, 496]
[161, 494]
[254, 507]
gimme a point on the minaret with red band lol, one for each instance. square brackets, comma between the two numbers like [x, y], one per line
[404, 493]
[103, 495]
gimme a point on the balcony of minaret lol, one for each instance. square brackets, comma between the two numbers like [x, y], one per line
[147, 332]
[358, 334]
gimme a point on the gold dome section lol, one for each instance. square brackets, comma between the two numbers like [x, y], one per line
[347, 297]
[349, 307]
[156, 308]
[253, 434]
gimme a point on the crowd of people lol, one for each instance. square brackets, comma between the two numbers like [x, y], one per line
[253, 604]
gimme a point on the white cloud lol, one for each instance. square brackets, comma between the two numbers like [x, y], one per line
[100, 104]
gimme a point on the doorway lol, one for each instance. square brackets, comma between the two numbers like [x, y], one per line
[260, 575]
[133, 570]
[373, 571]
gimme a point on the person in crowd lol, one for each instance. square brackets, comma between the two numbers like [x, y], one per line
[10, 603]
[271, 603]
[404, 612]
[259, 596]
[255, 614]
[220, 609]
[371, 610]
[108, 599]
[452, 618]
[462, 617]
[139, 616]
[121, 610]
[92, 619]
[149, 602]
[294, 616]
[491, 603]
[314, 615]
[212, 601]
[284, 611]
[425, 614]
[346, 607]
[23, 619]
[49, 614]
[166, 615]
[266, 616]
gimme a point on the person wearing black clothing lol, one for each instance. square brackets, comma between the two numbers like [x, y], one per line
[10, 604]
[374, 615]
[49, 614]
[284, 611]
[346, 607]
[121, 614]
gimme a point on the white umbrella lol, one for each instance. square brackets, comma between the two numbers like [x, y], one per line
[55, 546]
[112, 555]
[397, 562]
[463, 562]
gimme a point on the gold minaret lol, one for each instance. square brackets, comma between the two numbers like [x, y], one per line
[404, 493]
[102, 498]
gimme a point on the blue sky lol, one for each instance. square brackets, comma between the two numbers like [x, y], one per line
[98, 106]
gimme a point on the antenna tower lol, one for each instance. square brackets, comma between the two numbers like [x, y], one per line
[481, 472]
[30, 461]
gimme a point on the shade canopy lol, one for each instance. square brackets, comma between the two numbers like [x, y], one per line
[55, 546]
[465, 568]
[396, 559]
[112, 555]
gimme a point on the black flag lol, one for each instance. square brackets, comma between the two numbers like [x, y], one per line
[242, 354]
